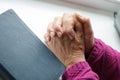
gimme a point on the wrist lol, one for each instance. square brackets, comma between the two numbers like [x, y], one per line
[73, 60]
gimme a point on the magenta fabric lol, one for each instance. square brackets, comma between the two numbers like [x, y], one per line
[80, 71]
[103, 63]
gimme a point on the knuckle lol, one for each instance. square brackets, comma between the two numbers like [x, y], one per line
[87, 19]
[50, 27]
[57, 22]
[89, 33]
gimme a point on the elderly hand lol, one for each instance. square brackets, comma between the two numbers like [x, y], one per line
[87, 29]
[88, 33]
[69, 50]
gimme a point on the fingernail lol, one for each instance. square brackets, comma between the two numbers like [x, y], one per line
[47, 39]
[71, 38]
[52, 34]
[59, 34]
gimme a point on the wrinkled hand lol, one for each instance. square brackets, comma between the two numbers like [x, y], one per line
[87, 29]
[88, 33]
[68, 50]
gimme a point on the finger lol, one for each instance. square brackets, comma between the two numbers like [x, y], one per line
[47, 37]
[50, 28]
[47, 40]
[78, 27]
[52, 34]
[88, 28]
[71, 34]
[88, 32]
[78, 24]
[79, 18]
[79, 32]
[86, 23]
[57, 26]
[68, 25]
[89, 35]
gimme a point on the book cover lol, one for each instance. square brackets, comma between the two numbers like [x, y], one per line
[23, 54]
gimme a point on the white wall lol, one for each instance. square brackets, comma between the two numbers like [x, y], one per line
[37, 15]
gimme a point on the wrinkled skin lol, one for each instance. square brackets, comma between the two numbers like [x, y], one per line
[68, 51]
[69, 37]
[88, 33]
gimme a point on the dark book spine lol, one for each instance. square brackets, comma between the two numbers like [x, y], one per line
[4, 74]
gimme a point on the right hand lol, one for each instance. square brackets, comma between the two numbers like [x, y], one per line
[88, 33]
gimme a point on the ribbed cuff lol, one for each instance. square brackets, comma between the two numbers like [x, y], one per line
[97, 51]
[75, 69]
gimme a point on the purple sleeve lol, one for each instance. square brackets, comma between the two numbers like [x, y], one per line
[105, 61]
[80, 71]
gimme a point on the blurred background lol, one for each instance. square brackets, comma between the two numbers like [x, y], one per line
[38, 13]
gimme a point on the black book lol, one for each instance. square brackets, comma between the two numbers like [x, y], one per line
[22, 54]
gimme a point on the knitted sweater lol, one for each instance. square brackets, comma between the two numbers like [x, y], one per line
[103, 63]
